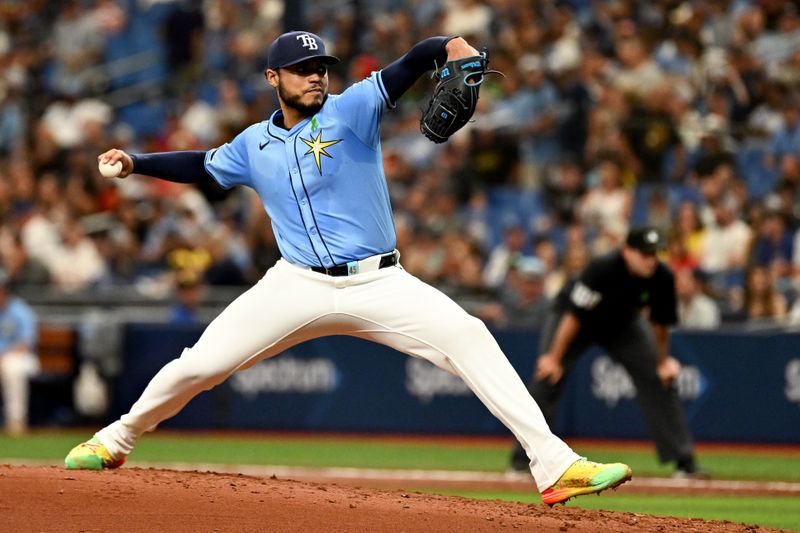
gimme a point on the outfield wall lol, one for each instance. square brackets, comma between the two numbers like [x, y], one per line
[736, 387]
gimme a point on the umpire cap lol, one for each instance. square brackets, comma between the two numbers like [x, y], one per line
[646, 239]
[297, 46]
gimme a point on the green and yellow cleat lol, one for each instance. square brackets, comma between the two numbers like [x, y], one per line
[91, 455]
[586, 477]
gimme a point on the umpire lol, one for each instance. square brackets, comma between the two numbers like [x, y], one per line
[603, 306]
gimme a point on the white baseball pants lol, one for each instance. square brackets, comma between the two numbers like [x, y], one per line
[291, 304]
[16, 369]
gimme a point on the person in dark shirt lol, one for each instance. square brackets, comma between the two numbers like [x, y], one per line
[603, 306]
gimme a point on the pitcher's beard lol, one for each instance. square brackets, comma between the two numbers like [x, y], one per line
[294, 102]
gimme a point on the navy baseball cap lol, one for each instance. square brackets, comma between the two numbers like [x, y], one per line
[646, 239]
[297, 46]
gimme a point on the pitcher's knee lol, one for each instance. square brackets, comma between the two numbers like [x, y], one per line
[466, 326]
[471, 331]
[204, 379]
[462, 337]
[198, 372]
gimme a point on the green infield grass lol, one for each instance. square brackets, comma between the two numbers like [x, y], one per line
[780, 512]
[490, 455]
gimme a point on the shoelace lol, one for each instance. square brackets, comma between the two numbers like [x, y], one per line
[92, 446]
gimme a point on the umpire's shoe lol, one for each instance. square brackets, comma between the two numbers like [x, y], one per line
[91, 455]
[689, 469]
[586, 477]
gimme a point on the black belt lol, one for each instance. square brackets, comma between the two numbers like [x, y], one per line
[344, 270]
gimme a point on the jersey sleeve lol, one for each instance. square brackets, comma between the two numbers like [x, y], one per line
[664, 307]
[361, 107]
[229, 164]
[586, 292]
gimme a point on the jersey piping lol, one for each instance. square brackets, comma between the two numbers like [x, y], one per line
[310, 207]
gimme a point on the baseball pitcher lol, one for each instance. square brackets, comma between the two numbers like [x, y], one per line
[316, 165]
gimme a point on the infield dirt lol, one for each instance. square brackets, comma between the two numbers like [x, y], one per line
[51, 499]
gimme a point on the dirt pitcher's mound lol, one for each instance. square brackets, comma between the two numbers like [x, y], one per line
[52, 499]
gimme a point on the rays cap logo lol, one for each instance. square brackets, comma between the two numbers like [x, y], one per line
[295, 47]
[646, 239]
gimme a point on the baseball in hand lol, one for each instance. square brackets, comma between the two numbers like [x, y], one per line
[110, 170]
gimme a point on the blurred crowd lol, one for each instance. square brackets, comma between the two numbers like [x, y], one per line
[682, 114]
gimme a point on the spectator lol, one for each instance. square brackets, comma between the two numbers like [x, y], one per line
[766, 119]
[13, 126]
[762, 302]
[189, 290]
[678, 258]
[77, 44]
[772, 46]
[564, 188]
[467, 18]
[502, 256]
[475, 217]
[715, 175]
[18, 362]
[725, 245]
[69, 120]
[607, 205]
[183, 35]
[786, 141]
[651, 131]
[493, 158]
[785, 198]
[39, 234]
[461, 264]
[773, 246]
[546, 251]
[689, 230]
[576, 256]
[639, 75]
[532, 111]
[19, 267]
[659, 212]
[695, 308]
[75, 264]
[523, 304]
[605, 130]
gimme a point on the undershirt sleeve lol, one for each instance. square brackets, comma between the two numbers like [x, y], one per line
[403, 72]
[178, 167]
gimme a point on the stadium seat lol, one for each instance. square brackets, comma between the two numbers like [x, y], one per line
[51, 389]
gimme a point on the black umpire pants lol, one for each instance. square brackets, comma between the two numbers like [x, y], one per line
[635, 349]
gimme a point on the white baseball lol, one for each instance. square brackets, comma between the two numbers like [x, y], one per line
[110, 170]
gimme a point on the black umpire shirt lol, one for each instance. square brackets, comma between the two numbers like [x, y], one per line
[606, 297]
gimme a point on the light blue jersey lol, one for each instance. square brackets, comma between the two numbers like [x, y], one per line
[17, 324]
[322, 182]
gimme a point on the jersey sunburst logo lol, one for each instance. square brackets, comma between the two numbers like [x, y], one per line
[317, 147]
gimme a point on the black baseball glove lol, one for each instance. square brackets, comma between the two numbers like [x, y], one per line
[455, 96]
